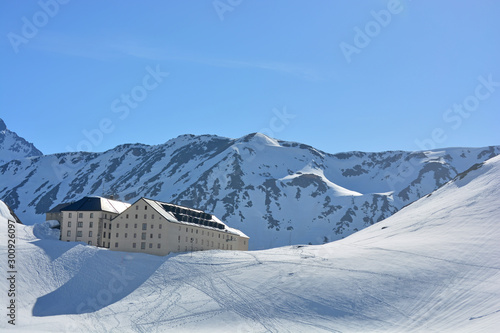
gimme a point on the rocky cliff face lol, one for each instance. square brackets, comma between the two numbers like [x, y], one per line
[277, 192]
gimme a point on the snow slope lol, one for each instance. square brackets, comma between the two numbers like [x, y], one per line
[434, 266]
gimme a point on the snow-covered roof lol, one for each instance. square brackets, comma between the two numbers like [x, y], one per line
[190, 216]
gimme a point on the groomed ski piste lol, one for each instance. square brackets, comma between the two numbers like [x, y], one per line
[432, 267]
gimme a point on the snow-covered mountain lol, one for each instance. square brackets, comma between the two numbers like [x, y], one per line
[13, 146]
[431, 267]
[277, 192]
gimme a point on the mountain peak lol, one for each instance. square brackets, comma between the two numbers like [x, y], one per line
[14, 147]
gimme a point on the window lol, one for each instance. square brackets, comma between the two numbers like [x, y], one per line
[80, 224]
[109, 235]
[70, 215]
[134, 245]
[143, 236]
[179, 228]
[152, 226]
[126, 225]
[150, 245]
[196, 230]
[152, 216]
[105, 216]
[196, 241]
[91, 224]
[192, 230]
[186, 239]
[186, 229]
[104, 236]
[90, 233]
[110, 226]
[212, 243]
[91, 215]
[104, 225]
[135, 225]
[68, 233]
[136, 207]
[69, 223]
[244, 242]
[143, 245]
[126, 216]
[159, 245]
[116, 244]
[136, 216]
[90, 243]
[145, 216]
[145, 207]
[103, 244]
[160, 226]
[178, 247]
[144, 226]
[219, 235]
[151, 236]
[80, 215]
[78, 234]
[179, 238]
[135, 235]
[125, 235]
[202, 242]
[116, 235]
[118, 225]
[159, 235]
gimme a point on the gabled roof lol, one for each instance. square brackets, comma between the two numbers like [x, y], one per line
[97, 204]
[194, 217]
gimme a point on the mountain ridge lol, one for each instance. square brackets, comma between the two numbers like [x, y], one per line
[277, 192]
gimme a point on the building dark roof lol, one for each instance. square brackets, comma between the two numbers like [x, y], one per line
[58, 208]
[97, 204]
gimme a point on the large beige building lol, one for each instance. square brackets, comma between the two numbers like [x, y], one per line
[89, 220]
[156, 227]
[147, 226]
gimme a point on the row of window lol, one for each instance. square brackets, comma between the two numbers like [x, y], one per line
[137, 216]
[143, 245]
[80, 215]
[143, 235]
[78, 233]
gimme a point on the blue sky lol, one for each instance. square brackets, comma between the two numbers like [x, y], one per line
[337, 75]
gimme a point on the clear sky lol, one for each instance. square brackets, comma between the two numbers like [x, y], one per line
[337, 75]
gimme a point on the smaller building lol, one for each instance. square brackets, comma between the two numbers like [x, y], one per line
[55, 213]
[89, 220]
